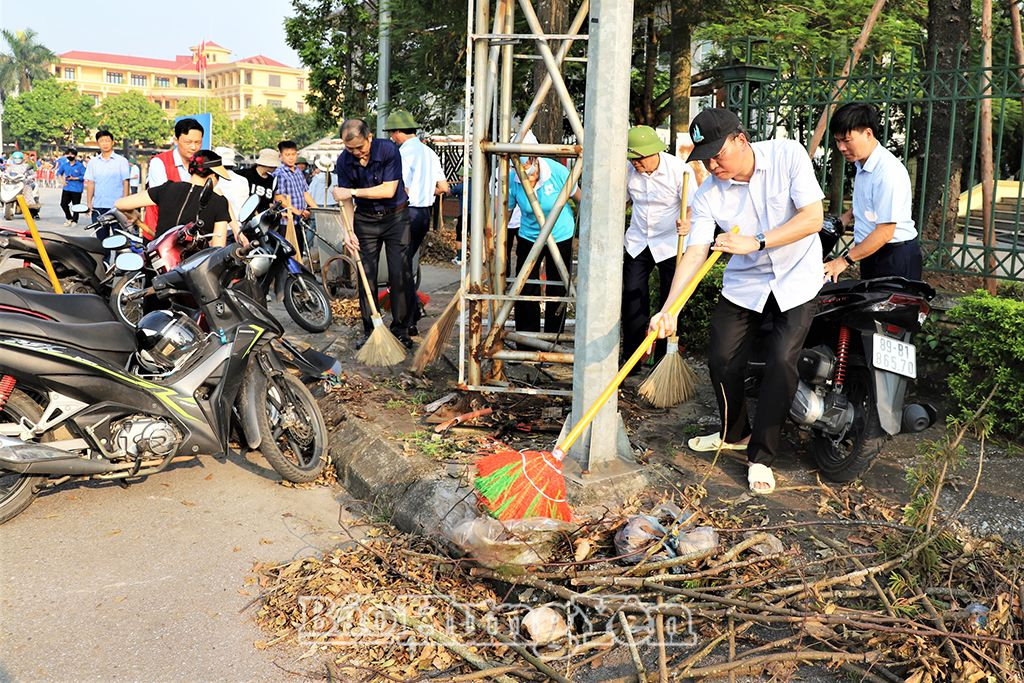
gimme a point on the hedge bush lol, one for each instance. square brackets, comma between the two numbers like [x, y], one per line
[695, 318]
[986, 347]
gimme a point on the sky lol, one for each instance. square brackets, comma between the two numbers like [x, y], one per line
[158, 30]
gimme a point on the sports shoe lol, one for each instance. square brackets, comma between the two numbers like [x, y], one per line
[457, 261]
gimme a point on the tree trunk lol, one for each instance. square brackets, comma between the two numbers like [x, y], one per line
[548, 128]
[985, 141]
[949, 26]
[681, 69]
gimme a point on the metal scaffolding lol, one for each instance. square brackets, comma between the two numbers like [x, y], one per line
[490, 292]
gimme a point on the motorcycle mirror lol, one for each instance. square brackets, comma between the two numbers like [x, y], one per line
[248, 208]
[204, 196]
[114, 242]
[79, 208]
[129, 262]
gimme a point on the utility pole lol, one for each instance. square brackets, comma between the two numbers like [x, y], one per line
[383, 64]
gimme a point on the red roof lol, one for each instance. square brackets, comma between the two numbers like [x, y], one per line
[210, 43]
[264, 60]
[179, 62]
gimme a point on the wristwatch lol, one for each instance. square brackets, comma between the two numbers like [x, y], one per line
[846, 257]
[760, 241]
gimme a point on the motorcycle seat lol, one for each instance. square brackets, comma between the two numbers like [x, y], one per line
[78, 238]
[67, 308]
[893, 283]
[112, 341]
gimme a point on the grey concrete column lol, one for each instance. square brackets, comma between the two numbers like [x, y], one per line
[605, 452]
[383, 65]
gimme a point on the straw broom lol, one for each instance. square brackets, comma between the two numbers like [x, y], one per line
[438, 335]
[673, 380]
[519, 484]
[382, 348]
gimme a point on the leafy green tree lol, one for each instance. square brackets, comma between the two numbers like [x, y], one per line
[133, 119]
[51, 112]
[223, 126]
[26, 62]
[302, 128]
[259, 129]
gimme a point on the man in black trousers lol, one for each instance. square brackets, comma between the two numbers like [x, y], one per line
[370, 178]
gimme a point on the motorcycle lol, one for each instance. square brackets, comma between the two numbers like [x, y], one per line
[855, 366]
[273, 265]
[12, 183]
[102, 401]
[78, 257]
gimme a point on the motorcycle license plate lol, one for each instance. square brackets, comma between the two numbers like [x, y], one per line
[894, 356]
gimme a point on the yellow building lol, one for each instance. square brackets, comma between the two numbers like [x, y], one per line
[239, 85]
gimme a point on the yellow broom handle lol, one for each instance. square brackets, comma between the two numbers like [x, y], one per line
[673, 311]
[346, 227]
[39, 244]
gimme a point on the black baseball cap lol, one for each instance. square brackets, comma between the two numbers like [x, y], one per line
[70, 150]
[709, 130]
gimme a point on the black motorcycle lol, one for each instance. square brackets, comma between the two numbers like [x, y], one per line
[855, 366]
[273, 266]
[103, 401]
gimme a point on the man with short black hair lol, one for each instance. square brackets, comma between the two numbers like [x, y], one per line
[884, 236]
[424, 180]
[769, 191]
[370, 182]
[292, 188]
[172, 165]
[106, 179]
[72, 172]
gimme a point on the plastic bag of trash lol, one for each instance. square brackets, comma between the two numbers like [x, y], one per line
[496, 544]
[637, 535]
[545, 625]
[696, 540]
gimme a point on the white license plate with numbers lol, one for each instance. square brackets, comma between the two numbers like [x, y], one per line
[895, 356]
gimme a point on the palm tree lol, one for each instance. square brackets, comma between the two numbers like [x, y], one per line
[27, 61]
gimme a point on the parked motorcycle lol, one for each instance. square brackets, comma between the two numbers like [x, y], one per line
[12, 183]
[855, 366]
[102, 401]
[272, 265]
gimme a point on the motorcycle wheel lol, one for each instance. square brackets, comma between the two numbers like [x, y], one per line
[307, 303]
[9, 212]
[17, 491]
[129, 311]
[26, 278]
[846, 459]
[292, 429]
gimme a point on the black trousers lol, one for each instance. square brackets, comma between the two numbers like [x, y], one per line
[636, 298]
[419, 226]
[734, 330]
[528, 312]
[67, 198]
[390, 233]
[902, 259]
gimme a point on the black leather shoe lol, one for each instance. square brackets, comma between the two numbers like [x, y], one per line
[406, 342]
[414, 331]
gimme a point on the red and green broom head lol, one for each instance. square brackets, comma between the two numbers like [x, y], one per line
[519, 484]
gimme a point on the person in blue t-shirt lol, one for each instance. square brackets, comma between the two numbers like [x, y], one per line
[547, 178]
[72, 172]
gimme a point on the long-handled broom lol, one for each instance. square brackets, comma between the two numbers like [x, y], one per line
[437, 336]
[673, 380]
[382, 348]
[518, 484]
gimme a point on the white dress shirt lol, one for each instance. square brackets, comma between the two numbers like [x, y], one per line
[421, 169]
[881, 194]
[656, 200]
[783, 182]
[158, 174]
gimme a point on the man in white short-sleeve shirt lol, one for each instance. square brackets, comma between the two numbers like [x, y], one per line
[654, 185]
[884, 236]
[768, 190]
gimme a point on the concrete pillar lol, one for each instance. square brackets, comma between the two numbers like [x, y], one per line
[604, 452]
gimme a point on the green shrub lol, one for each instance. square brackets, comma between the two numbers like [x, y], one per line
[695, 318]
[986, 348]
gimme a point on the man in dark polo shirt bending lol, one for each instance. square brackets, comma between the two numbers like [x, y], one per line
[370, 175]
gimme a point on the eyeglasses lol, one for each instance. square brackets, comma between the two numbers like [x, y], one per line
[718, 157]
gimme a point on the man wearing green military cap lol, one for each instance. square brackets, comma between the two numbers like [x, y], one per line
[654, 184]
[424, 180]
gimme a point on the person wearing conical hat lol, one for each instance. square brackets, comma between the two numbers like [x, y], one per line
[654, 185]
[424, 180]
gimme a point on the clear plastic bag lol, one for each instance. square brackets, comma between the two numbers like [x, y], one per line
[517, 542]
[637, 535]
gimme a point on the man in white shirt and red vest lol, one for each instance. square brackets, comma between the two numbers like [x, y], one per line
[654, 185]
[172, 165]
[767, 189]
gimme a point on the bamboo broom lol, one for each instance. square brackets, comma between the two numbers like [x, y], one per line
[673, 380]
[382, 348]
[518, 484]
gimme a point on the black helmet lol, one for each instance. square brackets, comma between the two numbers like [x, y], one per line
[166, 338]
[205, 163]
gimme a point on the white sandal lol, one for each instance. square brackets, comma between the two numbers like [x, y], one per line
[713, 442]
[760, 474]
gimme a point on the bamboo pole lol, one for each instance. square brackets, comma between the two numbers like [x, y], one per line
[47, 265]
[985, 135]
[851, 61]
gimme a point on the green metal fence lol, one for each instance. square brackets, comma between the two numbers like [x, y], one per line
[911, 100]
